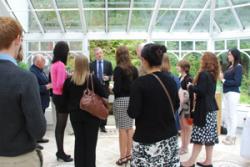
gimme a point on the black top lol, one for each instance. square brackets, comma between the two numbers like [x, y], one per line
[22, 121]
[233, 77]
[150, 107]
[188, 78]
[42, 81]
[72, 94]
[123, 81]
[205, 97]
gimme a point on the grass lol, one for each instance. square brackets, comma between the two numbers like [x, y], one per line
[244, 98]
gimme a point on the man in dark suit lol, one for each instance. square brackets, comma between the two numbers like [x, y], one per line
[103, 70]
[22, 122]
[44, 85]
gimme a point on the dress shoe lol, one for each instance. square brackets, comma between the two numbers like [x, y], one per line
[39, 147]
[64, 157]
[200, 164]
[43, 140]
[103, 129]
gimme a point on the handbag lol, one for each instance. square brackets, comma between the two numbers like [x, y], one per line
[166, 92]
[92, 103]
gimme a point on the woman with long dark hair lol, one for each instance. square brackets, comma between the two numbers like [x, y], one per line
[231, 93]
[85, 125]
[58, 76]
[153, 102]
[204, 117]
[124, 74]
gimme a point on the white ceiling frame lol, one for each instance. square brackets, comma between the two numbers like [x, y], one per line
[106, 17]
[177, 16]
[36, 17]
[236, 16]
[154, 16]
[130, 15]
[234, 6]
[217, 26]
[59, 18]
[82, 16]
[212, 16]
[200, 16]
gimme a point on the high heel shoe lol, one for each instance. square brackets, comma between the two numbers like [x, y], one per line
[202, 165]
[229, 140]
[64, 157]
[187, 166]
[121, 161]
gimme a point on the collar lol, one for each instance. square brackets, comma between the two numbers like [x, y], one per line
[8, 58]
[34, 66]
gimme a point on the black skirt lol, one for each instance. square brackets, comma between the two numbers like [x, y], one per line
[59, 104]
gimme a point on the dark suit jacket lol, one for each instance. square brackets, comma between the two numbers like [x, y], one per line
[107, 70]
[22, 121]
[42, 81]
[205, 97]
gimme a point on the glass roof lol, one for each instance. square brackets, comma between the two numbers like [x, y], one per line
[134, 15]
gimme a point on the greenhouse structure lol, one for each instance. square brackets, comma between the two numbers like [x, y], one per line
[188, 28]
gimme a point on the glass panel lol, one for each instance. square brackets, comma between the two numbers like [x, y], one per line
[144, 3]
[75, 45]
[203, 24]
[244, 14]
[219, 45]
[33, 26]
[173, 45]
[46, 46]
[118, 3]
[33, 46]
[200, 45]
[195, 4]
[222, 18]
[42, 4]
[118, 20]
[93, 3]
[244, 43]
[49, 20]
[164, 20]
[231, 44]
[67, 3]
[140, 20]
[236, 2]
[160, 42]
[95, 20]
[171, 3]
[186, 20]
[221, 3]
[71, 20]
[186, 45]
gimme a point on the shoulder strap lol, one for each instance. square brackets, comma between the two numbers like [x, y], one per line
[167, 93]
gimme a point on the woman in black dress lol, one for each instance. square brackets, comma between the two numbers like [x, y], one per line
[85, 125]
[204, 118]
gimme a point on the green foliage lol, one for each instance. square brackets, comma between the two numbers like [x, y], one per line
[23, 65]
[109, 48]
[194, 60]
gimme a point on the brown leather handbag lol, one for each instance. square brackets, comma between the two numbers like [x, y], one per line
[92, 103]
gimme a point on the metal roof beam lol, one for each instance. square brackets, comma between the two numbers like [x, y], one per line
[130, 14]
[82, 16]
[236, 16]
[36, 17]
[154, 16]
[177, 16]
[59, 18]
[200, 16]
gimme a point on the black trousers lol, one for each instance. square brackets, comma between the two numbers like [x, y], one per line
[85, 129]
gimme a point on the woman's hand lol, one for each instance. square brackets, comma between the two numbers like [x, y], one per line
[221, 77]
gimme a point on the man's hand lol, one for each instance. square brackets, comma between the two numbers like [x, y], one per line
[48, 86]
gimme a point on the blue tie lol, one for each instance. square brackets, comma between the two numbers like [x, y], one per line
[100, 72]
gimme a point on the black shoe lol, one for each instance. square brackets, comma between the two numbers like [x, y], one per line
[39, 147]
[200, 164]
[63, 157]
[43, 140]
[103, 129]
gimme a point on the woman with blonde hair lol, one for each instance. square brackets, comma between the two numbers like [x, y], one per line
[124, 74]
[85, 125]
[204, 118]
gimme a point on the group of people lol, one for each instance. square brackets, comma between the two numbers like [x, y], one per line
[160, 103]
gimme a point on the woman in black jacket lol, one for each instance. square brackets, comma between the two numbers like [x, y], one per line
[155, 138]
[85, 125]
[205, 122]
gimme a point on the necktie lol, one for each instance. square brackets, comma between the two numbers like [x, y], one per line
[100, 71]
